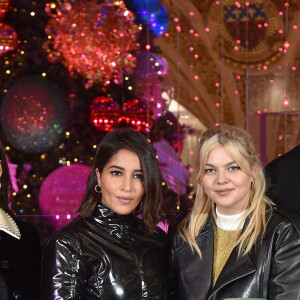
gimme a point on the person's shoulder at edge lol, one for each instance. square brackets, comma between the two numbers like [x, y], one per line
[292, 154]
[284, 217]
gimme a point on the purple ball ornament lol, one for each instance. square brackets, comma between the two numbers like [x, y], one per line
[61, 193]
[34, 114]
[149, 64]
[156, 89]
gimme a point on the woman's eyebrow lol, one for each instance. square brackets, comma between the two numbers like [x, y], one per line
[226, 165]
[121, 168]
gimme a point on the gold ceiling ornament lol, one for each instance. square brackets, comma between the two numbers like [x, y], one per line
[247, 33]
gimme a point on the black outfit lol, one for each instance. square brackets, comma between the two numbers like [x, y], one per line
[3, 289]
[283, 180]
[20, 263]
[108, 257]
[271, 270]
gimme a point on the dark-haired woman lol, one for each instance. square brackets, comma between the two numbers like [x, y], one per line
[20, 253]
[107, 252]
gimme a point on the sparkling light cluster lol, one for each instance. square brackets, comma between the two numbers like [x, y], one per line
[93, 40]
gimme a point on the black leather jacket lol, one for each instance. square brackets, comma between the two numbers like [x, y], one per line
[107, 257]
[271, 270]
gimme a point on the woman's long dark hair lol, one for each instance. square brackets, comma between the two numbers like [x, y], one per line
[111, 144]
[6, 187]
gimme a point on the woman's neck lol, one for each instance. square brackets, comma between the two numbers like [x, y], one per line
[229, 223]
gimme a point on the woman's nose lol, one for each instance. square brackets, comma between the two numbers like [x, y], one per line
[222, 177]
[126, 183]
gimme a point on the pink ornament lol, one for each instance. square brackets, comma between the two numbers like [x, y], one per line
[61, 193]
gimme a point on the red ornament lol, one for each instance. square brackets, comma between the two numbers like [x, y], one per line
[105, 113]
[138, 115]
[8, 38]
[4, 4]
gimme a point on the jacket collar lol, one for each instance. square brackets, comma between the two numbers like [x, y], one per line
[116, 224]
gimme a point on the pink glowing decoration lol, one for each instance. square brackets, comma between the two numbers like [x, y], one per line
[61, 193]
[12, 168]
[286, 45]
[286, 102]
[93, 40]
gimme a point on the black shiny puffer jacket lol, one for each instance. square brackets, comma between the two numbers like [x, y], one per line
[107, 257]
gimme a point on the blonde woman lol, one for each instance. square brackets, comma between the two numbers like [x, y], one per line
[235, 243]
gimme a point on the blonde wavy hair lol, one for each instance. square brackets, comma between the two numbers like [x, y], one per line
[239, 143]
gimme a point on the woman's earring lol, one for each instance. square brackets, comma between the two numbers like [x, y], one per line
[252, 185]
[98, 189]
[0, 183]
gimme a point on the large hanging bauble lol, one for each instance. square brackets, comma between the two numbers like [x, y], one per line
[34, 114]
[61, 193]
[147, 13]
[149, 64]
[94, 39]
[157, 90]
[138, 115]
[105, 113]
[160, 23]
